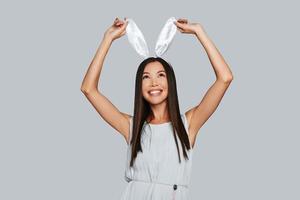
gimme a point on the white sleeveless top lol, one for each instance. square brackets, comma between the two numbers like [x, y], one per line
[156, 173]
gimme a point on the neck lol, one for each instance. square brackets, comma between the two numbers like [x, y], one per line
[159, 113]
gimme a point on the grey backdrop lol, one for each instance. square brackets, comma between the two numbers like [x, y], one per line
[54, 145]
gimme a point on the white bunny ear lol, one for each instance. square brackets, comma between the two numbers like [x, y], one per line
[165, 37]
[136, 38]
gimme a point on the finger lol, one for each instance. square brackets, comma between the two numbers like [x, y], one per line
[178, 23]
[180, 29]
[123, 33]
[124, 24]
[181, 20]
[119, 23]
[116, 21]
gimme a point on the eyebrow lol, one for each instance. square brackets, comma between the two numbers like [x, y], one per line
[157, 72]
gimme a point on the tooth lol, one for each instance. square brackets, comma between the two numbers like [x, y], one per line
[154, 91]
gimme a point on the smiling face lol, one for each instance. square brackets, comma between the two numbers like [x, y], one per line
[154, 83]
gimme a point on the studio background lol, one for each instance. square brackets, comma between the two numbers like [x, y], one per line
[53, 143]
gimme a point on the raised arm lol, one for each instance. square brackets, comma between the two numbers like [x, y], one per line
[199, 114]
[118, 120]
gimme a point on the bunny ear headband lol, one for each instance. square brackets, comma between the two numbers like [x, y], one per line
[138, 42]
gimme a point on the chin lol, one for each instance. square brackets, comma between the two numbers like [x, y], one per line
[156, 101]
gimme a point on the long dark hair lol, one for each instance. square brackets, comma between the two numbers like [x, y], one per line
[142, 110]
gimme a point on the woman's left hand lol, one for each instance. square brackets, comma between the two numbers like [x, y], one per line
[185, 27]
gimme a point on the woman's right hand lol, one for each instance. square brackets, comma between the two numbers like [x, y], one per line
[117, 30]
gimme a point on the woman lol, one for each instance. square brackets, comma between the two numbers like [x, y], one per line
[158, 135]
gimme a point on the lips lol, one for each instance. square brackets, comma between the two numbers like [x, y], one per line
[155, 92]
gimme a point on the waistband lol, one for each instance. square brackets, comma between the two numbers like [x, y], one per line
[157, 182]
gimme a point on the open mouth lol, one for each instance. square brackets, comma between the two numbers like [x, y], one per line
[155, 92]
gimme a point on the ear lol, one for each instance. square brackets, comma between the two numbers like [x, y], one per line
[136, 38]
[165, 37]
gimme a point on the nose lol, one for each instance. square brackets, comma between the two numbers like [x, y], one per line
[154, 81]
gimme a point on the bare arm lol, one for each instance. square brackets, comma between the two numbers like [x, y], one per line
[118, 120]
[199, 114]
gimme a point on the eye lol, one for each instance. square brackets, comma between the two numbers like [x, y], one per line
[162, 74]
[145, 76]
